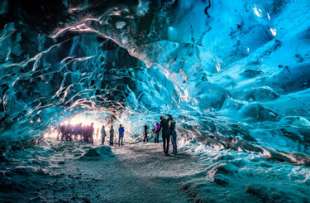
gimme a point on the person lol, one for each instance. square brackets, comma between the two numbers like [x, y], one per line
[103, 134]
[62, 132]
[69, 132]
[156, 131]
[83, 133]
[111, 135]
[145, 132]
[165, 134]
[91, 133]
[121, 132]
[173, 134]
[87, 133]
[77, 131]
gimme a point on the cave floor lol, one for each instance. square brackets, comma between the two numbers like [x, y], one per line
[133, 173]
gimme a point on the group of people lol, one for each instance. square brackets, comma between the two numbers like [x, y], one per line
[121, 134]
[85, 133]
[168, 131]
[76, 132]
[166, 127]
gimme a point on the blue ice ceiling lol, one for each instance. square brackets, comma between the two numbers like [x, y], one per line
[230, 69]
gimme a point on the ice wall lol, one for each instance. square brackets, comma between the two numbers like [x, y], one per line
[228, 68]
[235, 75]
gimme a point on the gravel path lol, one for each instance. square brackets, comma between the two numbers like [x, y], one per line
[131, 173]
[137, 173]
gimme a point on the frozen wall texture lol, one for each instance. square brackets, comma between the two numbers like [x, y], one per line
[236, 75]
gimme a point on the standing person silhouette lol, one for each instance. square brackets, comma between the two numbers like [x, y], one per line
[91, 133]
[111, 135]
[165, 134]
[156, 131]
[173, 134]
[145, 132]
[103, 134]
[121, 133]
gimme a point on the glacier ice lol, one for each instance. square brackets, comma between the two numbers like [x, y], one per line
[236, 75]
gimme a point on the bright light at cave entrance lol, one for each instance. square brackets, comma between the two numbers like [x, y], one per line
[84, 120]
[98, 119]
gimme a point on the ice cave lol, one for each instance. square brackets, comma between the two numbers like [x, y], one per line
[93, 92]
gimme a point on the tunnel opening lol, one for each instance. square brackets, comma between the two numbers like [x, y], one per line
[86, 128]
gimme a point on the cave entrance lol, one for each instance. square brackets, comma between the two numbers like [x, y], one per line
[78, 128]
[86, 128]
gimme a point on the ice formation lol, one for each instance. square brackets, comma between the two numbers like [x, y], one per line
[235, 74]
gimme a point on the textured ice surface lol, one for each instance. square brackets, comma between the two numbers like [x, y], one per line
[236, 75]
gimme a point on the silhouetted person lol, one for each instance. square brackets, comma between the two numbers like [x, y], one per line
[156, 131]
[111, 135]
[89, 130]
[87, 133]
[62, 132]
[69, 132]
[103, 134]
[165, 134]
[84, 133]
[77, 130]
[173, 134]
[91, 133]
[121, 133]
[145, 132]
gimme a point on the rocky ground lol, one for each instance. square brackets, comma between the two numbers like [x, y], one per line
[73, 173]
